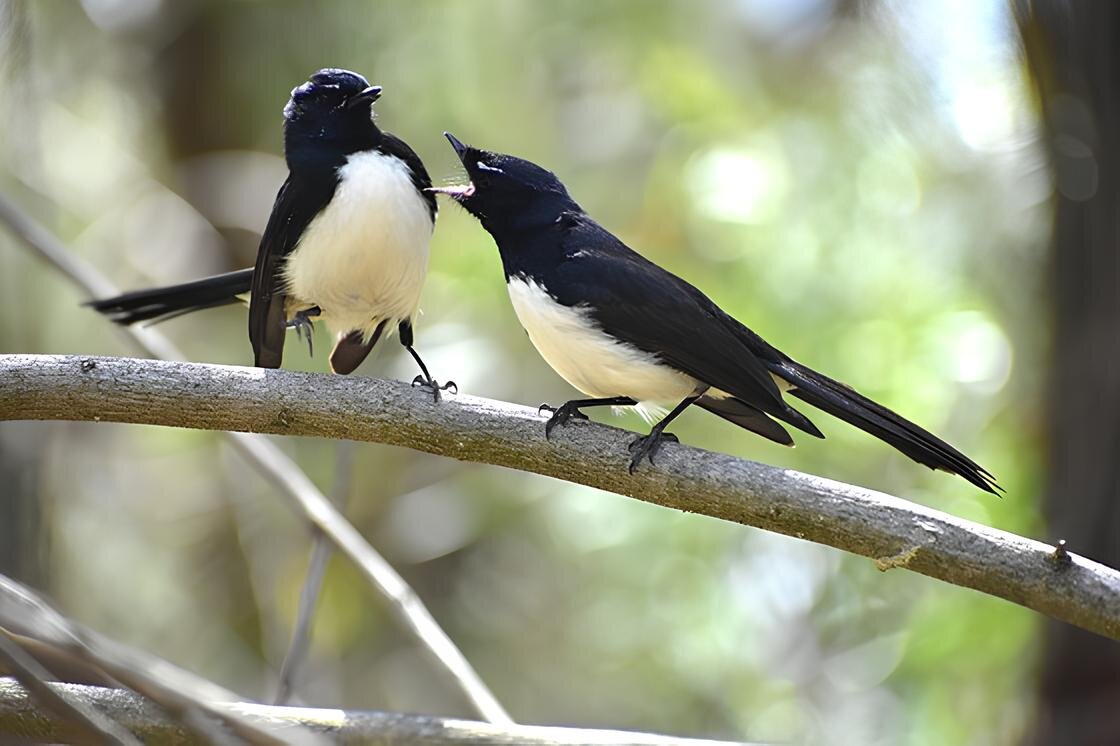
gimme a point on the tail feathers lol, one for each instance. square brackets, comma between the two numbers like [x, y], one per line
[745, 416]
[350, 350]
[849, 405]
[161, 304]
[791, 416]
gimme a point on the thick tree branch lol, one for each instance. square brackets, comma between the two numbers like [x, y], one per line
[892, 531]
[20, 718]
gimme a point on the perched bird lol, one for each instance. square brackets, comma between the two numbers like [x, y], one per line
[347, 240]
[624, 331]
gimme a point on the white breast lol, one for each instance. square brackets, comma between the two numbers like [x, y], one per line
[587, 358]
[365, 256]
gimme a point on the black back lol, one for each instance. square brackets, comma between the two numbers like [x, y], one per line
[543, 235]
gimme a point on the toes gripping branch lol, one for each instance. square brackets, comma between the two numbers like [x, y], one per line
[304, 326]
[571, 410]
[425, 379]
[647, 446]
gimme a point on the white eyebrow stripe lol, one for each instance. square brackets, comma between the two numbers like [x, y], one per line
[484, 167]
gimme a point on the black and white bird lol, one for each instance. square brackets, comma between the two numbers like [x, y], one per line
[624, 331]
[347, 240]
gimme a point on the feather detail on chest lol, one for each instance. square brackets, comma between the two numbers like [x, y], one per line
[365, 256]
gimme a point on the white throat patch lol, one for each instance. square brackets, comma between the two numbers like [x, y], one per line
[364, 258]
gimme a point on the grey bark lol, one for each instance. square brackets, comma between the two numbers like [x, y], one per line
[892, 531]
[20, 717]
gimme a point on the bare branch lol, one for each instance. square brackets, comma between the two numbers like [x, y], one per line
[19, 716]
[189, 698]
[178, 707]
[95, 726]
[888, 529]
[316, 572]
[407, 608]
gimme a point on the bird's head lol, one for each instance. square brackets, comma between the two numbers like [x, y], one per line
[331, 111]
[505, 191]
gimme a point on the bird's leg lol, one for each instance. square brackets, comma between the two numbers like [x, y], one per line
[425, 378]
[567, 411]
[649, 445]
[301, 322]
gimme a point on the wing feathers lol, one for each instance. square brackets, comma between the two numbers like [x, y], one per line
[297, 203]
[745, 416]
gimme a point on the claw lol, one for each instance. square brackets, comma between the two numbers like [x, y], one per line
[434, 386]
[560, 416]
[648, 446]
[546, 407]
[303, 325]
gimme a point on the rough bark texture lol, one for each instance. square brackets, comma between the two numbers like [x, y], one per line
[1074, 53]
[892, 531]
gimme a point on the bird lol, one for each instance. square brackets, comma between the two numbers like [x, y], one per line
[626, 332]
[346, 241]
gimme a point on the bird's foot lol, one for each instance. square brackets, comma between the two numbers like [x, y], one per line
[648, 446]
[434, 386]
[303, 325]
[560, 416]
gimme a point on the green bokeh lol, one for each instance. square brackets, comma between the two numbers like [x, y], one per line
[830, 181]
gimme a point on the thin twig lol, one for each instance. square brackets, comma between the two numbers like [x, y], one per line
[882, 527]
[85, 720]
[316, 572]
[288, 478]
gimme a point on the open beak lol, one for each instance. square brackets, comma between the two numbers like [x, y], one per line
[457, 146]
[457, 191]
[461, 190]
[366, 96]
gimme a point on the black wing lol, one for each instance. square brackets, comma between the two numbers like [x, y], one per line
[297, 203]
[635, 300]
[393, 145]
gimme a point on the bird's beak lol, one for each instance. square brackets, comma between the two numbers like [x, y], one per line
[457, 146]
[366, 96]
[458, 191]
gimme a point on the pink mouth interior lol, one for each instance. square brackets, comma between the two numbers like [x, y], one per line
[459, 190]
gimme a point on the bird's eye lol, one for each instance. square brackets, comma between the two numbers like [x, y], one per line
[493, 169]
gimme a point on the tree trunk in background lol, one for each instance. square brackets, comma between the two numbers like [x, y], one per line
[1073, 49]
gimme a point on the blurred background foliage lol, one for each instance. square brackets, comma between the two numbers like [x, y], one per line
[860, 182]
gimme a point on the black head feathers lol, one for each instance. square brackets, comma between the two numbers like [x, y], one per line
[328, 117]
